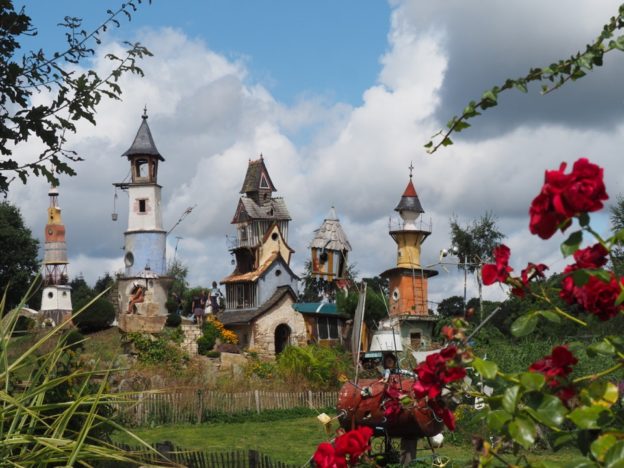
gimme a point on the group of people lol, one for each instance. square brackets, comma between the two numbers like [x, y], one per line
[206, 303]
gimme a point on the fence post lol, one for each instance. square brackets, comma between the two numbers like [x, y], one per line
[310, 399]
[257, 395]
[253, 455]
[200, 405]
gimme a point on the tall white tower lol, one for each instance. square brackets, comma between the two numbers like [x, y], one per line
[56, 299]
[145, 238]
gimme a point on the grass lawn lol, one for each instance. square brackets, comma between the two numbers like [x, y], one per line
[289, 440]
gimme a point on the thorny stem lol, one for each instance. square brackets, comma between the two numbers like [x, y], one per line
[561, 312]
[608, 371]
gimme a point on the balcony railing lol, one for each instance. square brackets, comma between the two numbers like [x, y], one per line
[397, 224]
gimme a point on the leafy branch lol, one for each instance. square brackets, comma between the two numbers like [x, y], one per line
[553, 76]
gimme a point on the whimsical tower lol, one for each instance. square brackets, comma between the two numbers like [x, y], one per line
[144, 239]
[56, 300]
[408, 280]
[330, 249]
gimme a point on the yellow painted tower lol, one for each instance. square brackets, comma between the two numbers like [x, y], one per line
[408, 280]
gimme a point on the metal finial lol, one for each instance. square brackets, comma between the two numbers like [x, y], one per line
[261, 158]
[411, 168]
[144, 116]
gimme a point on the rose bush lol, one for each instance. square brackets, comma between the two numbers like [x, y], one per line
[549, 399]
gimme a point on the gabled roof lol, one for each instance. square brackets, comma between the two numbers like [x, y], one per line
[143, 143]
[257, 177]
[273, 209]
[256, 274]
[330, 235]
[244, 317]
[409, 200]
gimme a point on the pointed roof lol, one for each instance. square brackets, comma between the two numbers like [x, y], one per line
[257, 177]
[409, 200]
[143, 143]
[330, 235]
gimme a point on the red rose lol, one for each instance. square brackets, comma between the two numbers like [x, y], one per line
[325, 457]
[598, 297]
[530, 272]
[433, 373]
[556, 366]
[354, 443]
[491, 273]
[442, 412]
[566, 195]
[591, 257]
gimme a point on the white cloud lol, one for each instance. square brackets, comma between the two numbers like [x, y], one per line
[208, 121]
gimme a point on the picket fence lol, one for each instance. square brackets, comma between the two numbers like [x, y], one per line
[196, 405]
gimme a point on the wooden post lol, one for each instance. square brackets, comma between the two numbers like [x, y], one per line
[257, 395]
[200, 405]
[310, 404]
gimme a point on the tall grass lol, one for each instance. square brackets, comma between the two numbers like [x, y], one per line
[58, 414]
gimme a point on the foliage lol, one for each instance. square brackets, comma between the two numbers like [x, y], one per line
[322, 367]
[617, 224]
[73, 95]
[261, 369]
[173, 320]
[59, 416]
[476, 241]
[564, 392]
[98, 315]
[74, 340]
[552, 77]
[316, 288]
[179, 272]
[451, 306]
[18, 262]
[23, 325]
[103, 283]
[205, 345]
[81, 292]
[155, 350]
[375, 308]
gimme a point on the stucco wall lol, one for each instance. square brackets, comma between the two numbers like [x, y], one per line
[151, 219]
[263, 336]
[156, 293]
[147, 249]
[270, 281]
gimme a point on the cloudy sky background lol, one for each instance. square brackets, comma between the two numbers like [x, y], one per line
[339, 100]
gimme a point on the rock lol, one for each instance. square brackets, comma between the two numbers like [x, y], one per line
[233, 362]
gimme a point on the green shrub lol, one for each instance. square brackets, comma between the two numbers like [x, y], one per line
[213, 354]
[23, 325]
[157, 350]
[205, 345]
[98, 316]
[321, 366]
[173, 320]
[171, 306]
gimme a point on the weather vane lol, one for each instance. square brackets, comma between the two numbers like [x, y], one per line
[411, 168]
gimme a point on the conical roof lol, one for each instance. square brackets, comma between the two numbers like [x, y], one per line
[409, 200]
[330, 235]
[143, 142]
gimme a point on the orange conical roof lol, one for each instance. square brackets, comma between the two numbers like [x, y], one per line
[409, 200]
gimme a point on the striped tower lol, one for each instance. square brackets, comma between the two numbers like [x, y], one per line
[56, 300]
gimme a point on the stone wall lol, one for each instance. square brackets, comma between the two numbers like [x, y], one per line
[191, 334]
[263, 336]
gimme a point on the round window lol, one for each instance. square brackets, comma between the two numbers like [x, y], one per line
[278, 272]
[395, 294]
[64, 293]
[50, 294]
[129, 259]
[50, 232]
[274, 236]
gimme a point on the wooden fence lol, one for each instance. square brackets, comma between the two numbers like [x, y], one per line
[196, 405]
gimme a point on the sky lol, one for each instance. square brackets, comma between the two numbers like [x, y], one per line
[339, 97]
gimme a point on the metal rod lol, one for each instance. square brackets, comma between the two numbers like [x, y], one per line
[483, 323]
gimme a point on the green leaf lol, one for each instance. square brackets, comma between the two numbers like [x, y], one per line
[620, 298]
[510, 398]
[532, 380]
[487, 369]
[582, 463]
[447, 142]
[524, 324]
[603, 393]
[601, 445]
[583, 219]
[496, 419]
[520, 86]
[602, 275]
[615, 455]
[603, 347]
[523, 431]
[580, 277]
[550, 316]
[551, 411]
[572, 243]
[586, 417]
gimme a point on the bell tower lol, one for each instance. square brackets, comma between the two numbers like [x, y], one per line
[56, 299]
[408, 280]
[145, 238]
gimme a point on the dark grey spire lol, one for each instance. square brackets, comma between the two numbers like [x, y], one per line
[143, 142]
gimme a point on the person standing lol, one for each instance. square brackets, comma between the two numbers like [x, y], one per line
[215, 297]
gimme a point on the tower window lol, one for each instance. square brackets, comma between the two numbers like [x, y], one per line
[142, 206]
[129, 259]
[50, 294]
[274, 236]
